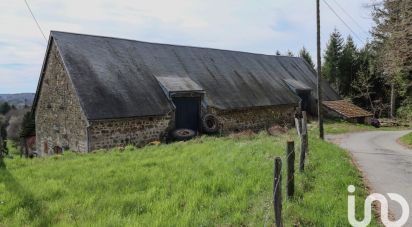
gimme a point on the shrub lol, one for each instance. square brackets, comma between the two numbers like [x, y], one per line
[405, 112]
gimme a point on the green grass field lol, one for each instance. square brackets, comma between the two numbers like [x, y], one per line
[341, 126]
[407, 139]
[204, 182]
[12, 148]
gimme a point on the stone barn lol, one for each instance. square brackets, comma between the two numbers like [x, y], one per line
[99, 92]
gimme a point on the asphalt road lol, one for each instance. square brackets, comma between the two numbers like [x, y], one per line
[386, 164]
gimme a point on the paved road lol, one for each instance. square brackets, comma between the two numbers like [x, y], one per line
[386, 164]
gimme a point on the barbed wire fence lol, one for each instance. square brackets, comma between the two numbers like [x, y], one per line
[301, 126]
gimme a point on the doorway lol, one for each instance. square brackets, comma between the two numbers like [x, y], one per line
[305, 100]
[187, 113]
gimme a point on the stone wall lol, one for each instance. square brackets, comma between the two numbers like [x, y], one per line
[257, 118]
[105, 134]
[59, 119]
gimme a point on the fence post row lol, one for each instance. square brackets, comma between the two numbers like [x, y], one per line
[302, 129]
[290, 154]
[277, 192]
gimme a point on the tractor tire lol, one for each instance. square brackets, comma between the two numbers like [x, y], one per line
[183, 134]
[210, 124]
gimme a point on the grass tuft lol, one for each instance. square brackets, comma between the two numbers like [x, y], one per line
[407, 139]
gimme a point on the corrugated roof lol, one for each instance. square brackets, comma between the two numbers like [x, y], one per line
[116, 78]
[347, 109]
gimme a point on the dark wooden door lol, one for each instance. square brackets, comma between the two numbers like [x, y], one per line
[305, 101]
[187, 113]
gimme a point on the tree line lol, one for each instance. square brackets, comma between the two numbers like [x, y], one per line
[15, 124]
[392, 49]
[378, 75]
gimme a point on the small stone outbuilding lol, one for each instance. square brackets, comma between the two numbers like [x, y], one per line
[348, 111]
[100, 92]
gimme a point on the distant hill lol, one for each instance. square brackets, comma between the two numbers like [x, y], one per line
[19, 100]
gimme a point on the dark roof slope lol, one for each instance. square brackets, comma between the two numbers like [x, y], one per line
[116, 78]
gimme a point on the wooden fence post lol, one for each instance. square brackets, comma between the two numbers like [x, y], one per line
[277, 192]
[303, 142]
[298, 126]
[302, 156]
[305, 128]
[290, 156]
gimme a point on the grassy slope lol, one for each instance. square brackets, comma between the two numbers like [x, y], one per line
[407, 139]
[207, 181]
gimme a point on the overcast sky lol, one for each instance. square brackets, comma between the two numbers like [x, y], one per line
[259, 26]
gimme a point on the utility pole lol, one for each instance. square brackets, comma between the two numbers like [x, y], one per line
[319, 66]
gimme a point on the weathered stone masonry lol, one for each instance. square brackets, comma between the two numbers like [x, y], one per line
[256, 118]
[60, 120]
[105, 134]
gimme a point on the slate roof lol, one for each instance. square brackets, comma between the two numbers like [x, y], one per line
[347, 109]
[116, 78]
[297, 85]
[178, 84]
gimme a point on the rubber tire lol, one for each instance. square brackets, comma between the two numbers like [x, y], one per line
[183, 134]
[210, 124]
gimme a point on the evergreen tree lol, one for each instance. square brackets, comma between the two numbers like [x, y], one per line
[28, 125]
[347, 66]
[278, 53]
[303, 53]
[333, 53]
[5, 108]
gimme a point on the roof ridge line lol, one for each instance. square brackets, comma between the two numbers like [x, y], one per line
[173, 45]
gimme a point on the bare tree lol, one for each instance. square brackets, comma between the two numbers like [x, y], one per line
[15, 120]
[363, 84]
[392, 32]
